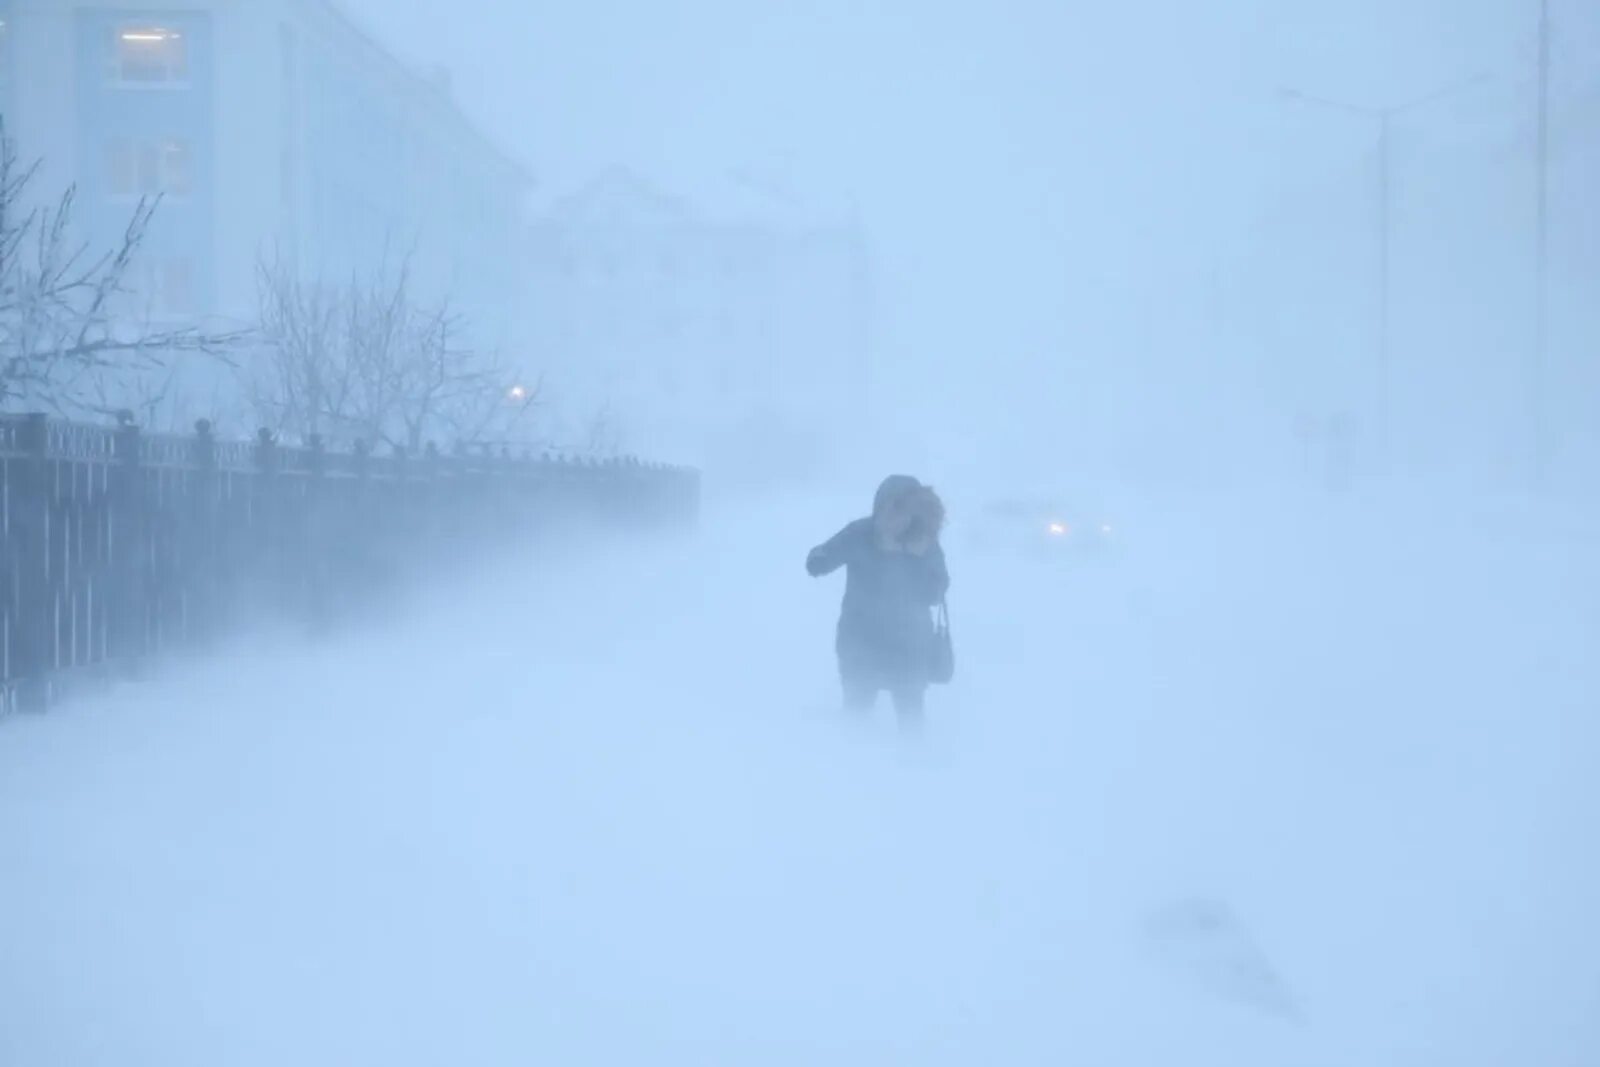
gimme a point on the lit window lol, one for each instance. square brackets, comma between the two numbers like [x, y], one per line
[149, 55]
[145, 168]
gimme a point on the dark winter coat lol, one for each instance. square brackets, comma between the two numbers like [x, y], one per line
[885, 636]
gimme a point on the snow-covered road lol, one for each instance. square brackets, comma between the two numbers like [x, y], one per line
[1310, 791]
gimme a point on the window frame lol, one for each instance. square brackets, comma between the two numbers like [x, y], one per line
[158, 153]
[161, 288]
[5, 55]
[116, 62]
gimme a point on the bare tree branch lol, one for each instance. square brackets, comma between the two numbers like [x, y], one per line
[66, 342]
[367, 360]
[603, 434]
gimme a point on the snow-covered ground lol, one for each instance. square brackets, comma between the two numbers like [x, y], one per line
[1288, 783]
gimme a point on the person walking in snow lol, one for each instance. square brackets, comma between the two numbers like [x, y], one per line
[894, 575]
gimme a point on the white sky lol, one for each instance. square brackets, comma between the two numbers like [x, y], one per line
[1056, 190]
[987, 144]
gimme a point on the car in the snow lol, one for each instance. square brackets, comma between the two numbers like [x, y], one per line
[1042, 525]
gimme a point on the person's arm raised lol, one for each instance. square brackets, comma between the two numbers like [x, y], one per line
[834, 553]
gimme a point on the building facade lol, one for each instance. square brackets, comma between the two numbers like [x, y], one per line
[734, 326]
[271, 129]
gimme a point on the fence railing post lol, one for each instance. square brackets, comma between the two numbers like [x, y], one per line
[357, 509]
[201, 573]
[32, 641]
[440, 517]
[311, 566]
[264, 518]
[128, 632]
[266, 452]
[398, 499]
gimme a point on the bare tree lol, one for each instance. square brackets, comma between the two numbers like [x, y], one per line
[448, 389]
[380, 324]
[366, 360]
[66, 345]
[603, 433]
[300, 383]
[498, 407]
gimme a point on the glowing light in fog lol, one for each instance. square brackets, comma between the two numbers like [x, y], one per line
[1058, 529]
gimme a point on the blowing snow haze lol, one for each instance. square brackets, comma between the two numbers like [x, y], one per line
[1106, 220]
[480, 550]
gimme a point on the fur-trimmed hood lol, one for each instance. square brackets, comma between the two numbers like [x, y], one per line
[894, 489]
[904, 491]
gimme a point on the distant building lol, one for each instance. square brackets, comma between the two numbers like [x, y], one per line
[735, 326]
[270, 127]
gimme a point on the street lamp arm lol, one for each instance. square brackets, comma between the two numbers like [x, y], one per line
[1336, 105]
[1452, 89]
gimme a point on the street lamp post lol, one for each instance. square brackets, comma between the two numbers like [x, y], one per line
[1538, 399]
[1385, 116]
[1385, 246]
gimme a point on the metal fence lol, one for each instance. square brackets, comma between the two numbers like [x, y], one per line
[117, 546]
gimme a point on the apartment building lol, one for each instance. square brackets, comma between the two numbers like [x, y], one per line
[269, 128]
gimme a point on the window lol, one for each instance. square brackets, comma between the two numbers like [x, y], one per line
[145, 168]
[5, 57]
[149, 55]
